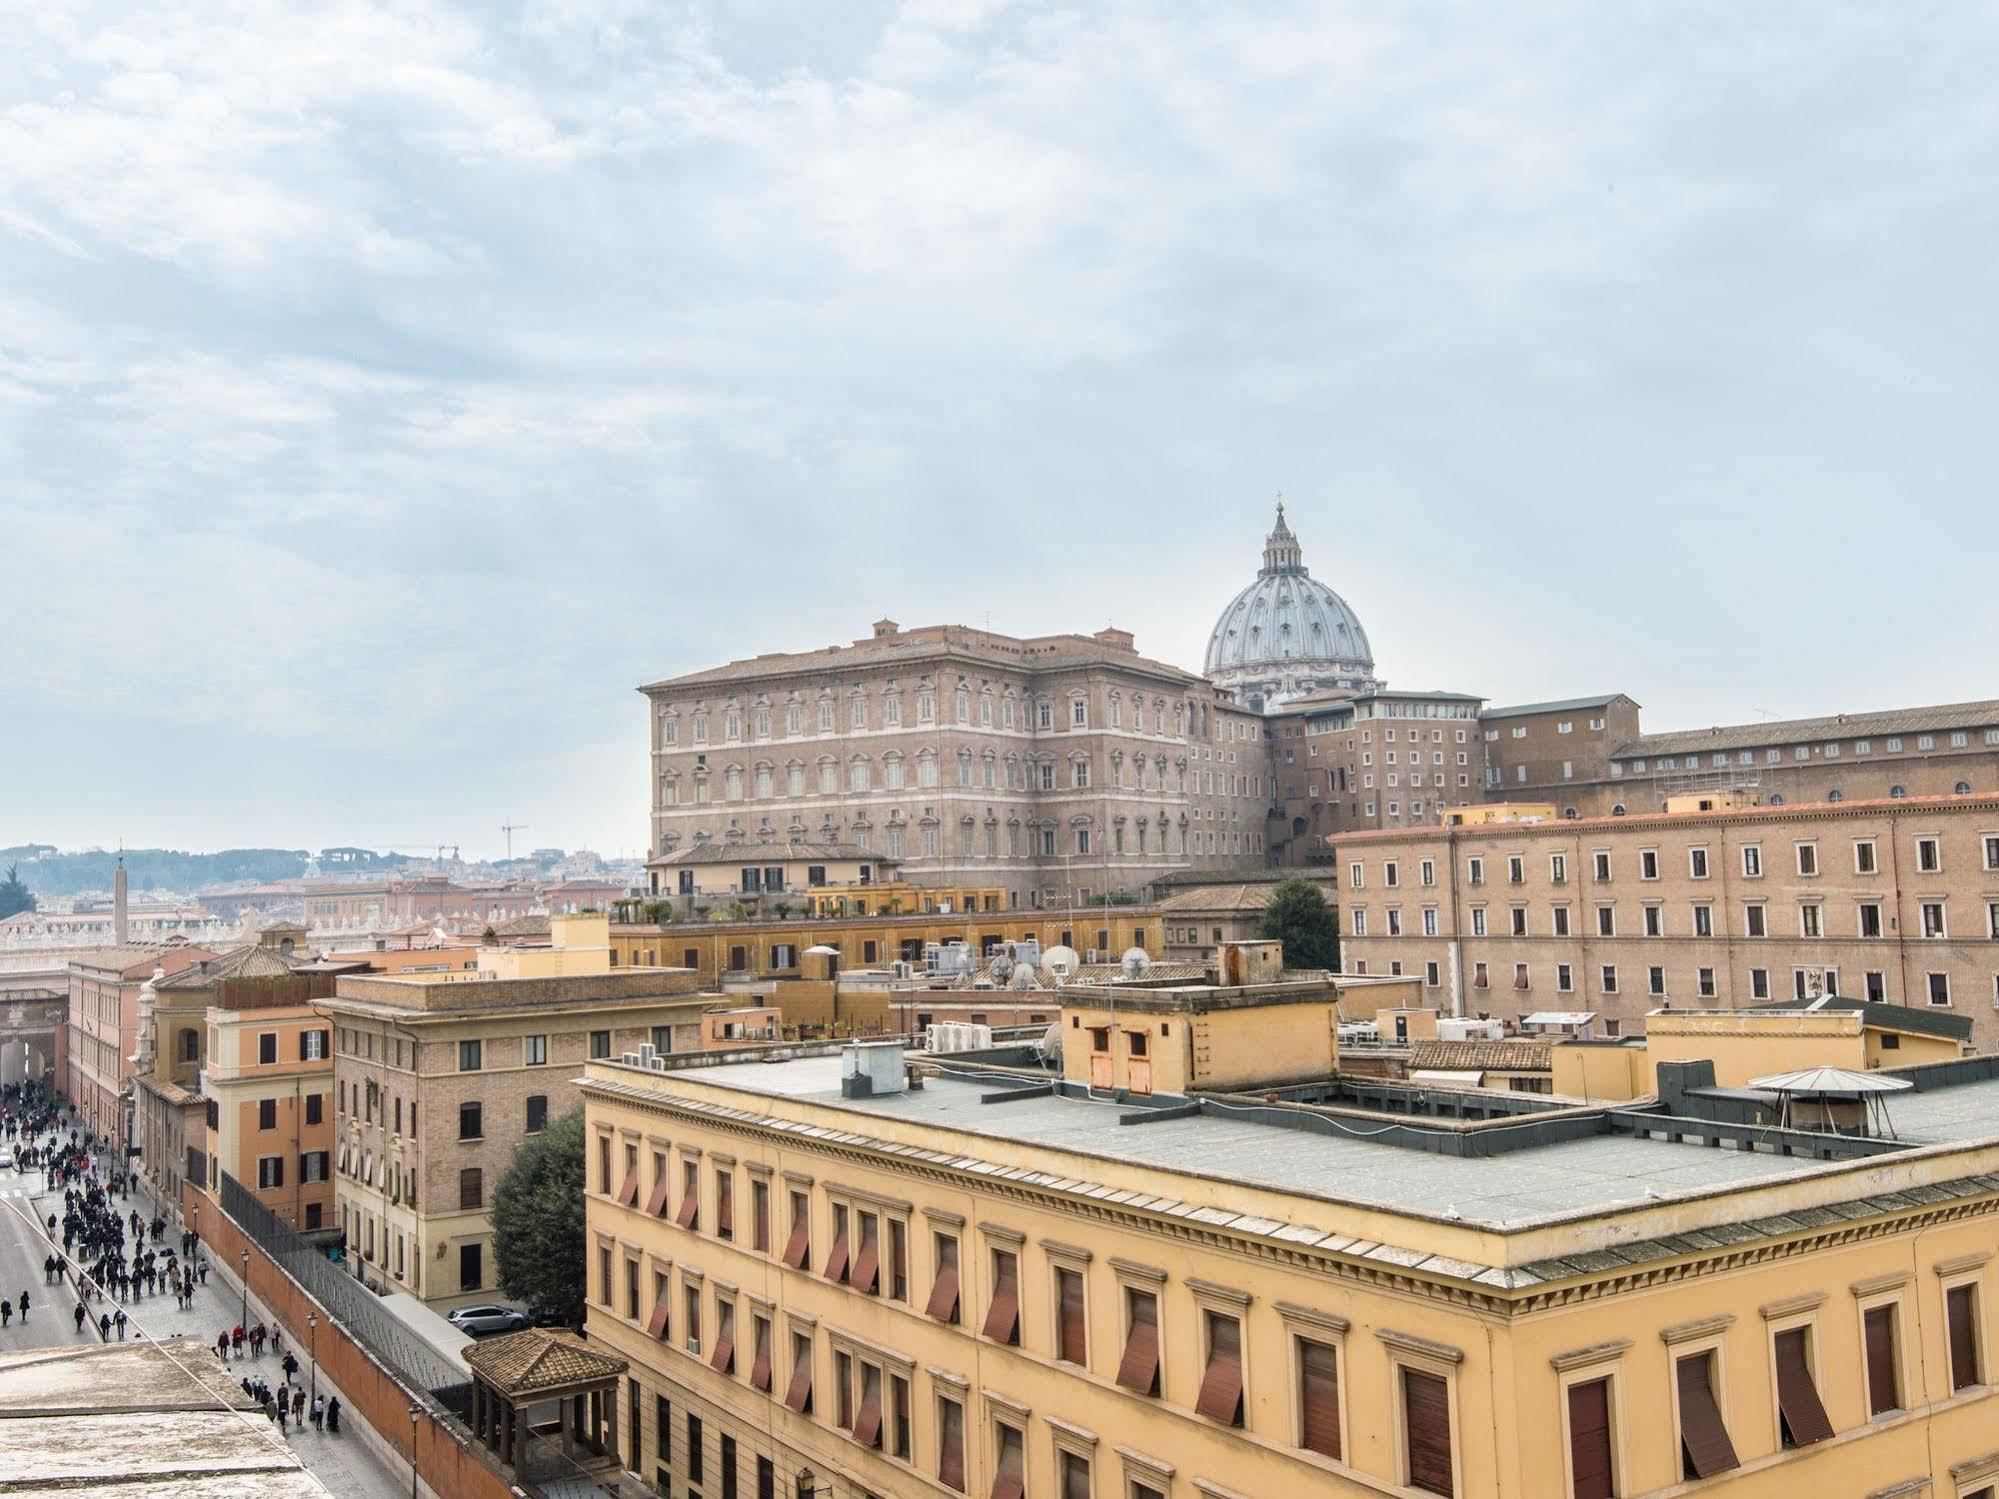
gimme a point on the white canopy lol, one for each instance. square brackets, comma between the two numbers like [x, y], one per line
[1442, 1077]
[1830, 1080]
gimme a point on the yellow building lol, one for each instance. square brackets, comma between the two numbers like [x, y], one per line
[858, 1272]
[268, 1086]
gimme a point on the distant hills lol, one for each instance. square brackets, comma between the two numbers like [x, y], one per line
[47, 872]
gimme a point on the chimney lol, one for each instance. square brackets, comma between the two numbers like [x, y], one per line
[119, 925]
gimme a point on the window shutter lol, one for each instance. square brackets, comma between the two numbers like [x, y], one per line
[1003, 1317]
[951, 1445]
[944, 1290]
[867, 1263]
[1319, 1390]
[1798, 1400]
[1074, 1338]
[868, 1424]
[690, 1204]
[1221, 1386]
[800, 1394]
[1882, 1394]
[724, 1357]
[628, 1194]
[836, 1261]
[1703, 1436]
[725, 1206]
[1009, 1482]
[1589, 1440]
[1426, 1409]
[1075, 1477]
[1139, 1369]
[656, 1324]
[1961, 1307]
[656, 1204]
[760, 1366]
[800, 1241]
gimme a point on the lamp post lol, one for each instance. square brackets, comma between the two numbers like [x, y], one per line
[414, 1415]
[312, 1349]
[245, 1321]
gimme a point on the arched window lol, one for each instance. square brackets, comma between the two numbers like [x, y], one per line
[1894, 791]
[1777, 799]
[732, 783]
[1963, 788]
[1835, 796]
[1618, 810]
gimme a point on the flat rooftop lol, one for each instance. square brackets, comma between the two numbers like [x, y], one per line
[1544, 1185]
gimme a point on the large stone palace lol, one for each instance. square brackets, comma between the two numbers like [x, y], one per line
[1062, 767]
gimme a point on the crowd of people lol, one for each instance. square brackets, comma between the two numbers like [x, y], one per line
[105, 1255]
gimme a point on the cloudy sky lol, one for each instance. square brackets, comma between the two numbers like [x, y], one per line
[387, 388]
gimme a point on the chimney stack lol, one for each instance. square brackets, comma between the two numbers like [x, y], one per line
[119, 925]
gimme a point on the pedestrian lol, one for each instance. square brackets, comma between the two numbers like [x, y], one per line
[318, 1412]
[236, 1342]
[333, 1416]
[104, 1327]
[80, 1315]
[222, 1346]
[24, 1306]
[6, 1312]
[298, 1407]
[290, 1366]
[120, 1320]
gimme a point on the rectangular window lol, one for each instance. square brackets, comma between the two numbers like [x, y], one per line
[798, 1247]
[267, 1113]
[1864, 857]
[267, 1047]
[1318, 1398]
[1705, 1449]
[1752, 861]
[1003, 1316]
[1071, 1326]
[1648, 864]
[270, 1171]
[1884, 1385]
[600, 1045]
[1606, 921]
[1939, 988]
[1697, 863]
[1138, 1369]
[1870, 919]
[312, 1046]
[1220, 1397]
[1933, 918]
[1590, 1466]
[315, 1108]
[1426, 1420]
[1929, 855]
[469, 1055]
[534, 1051]
[1754, 921]
[1961, 1325]
[472, 1190]
[1609, 978]
[1703, 921]
[951, 1443]
[537, 1113]
[471, 1125]
[1808, 858]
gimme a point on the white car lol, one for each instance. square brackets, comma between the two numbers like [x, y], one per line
[479, 1320]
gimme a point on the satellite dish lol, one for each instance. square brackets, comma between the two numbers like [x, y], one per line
[1001, 967]
[1050, 1044]
[1135, 962]
[1061, 963]
[1023, 977]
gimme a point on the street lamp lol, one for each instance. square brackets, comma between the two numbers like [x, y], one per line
[312, 1344]
[245, 1320]
[414, 1415]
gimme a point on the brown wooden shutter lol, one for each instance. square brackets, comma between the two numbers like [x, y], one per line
[944, 1290]
[1589, 1440]
[1883, 1392]
[800, 1242]
[723, 1357]
[760, 1366]
[951, 1445]
[1319, 1397]
[1139, 1369]
[1426, 1411]
[1798, 1402]
[656, 1204]
[656, 1324]
[1009, 1481]
[799, 1395]
[868, 1424]
[836, 1259]
[1961, 1308]
[1704, 1439]
[725, 1205]
[1221, 1385]
[628, 1194]
[1003, 1316]
[1073, 1332]
[760, 1210]
[690, 1201]
[867, 1262]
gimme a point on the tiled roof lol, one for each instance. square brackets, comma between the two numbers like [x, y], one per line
[753, 853]
[1785, 731]
[538, 1361]
[172, 956]
[1480, 1056]
[1559, 705]
[523, 926]
[1251, 895]
[1109, 973]
[251, 961]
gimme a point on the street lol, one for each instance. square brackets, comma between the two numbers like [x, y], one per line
[344, 1463]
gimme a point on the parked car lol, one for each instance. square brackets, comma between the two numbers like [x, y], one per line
[556, 1316]
[481, 1320]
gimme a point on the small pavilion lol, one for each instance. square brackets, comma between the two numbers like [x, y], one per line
[520, 1370]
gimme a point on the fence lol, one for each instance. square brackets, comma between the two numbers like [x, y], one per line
[353, 1304]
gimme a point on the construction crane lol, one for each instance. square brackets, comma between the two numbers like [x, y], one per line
[511, 828]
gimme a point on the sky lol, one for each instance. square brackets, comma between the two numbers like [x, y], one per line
[387, 389]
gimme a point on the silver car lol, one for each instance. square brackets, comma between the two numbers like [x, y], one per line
[480, 1320]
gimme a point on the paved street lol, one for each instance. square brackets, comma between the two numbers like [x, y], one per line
[344, 1463]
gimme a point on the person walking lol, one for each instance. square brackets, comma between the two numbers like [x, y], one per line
[120, 1321]
[104, 1327]
[6, 1312]
[80, 1315]
[236, 1342]
[284, 1414]
[298, 1407]
[318, 1412]
[24, 1306]
[290, 1366]
[333, 1416]
[222, 1346]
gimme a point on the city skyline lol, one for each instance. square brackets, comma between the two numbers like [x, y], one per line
[363, 451]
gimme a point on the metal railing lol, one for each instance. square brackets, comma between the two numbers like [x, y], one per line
[352, 1304]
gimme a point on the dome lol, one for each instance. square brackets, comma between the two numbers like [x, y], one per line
[1287, 633]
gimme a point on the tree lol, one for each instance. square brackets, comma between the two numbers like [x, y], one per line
[538, 1220]
[1297, 915]
[15, 897]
